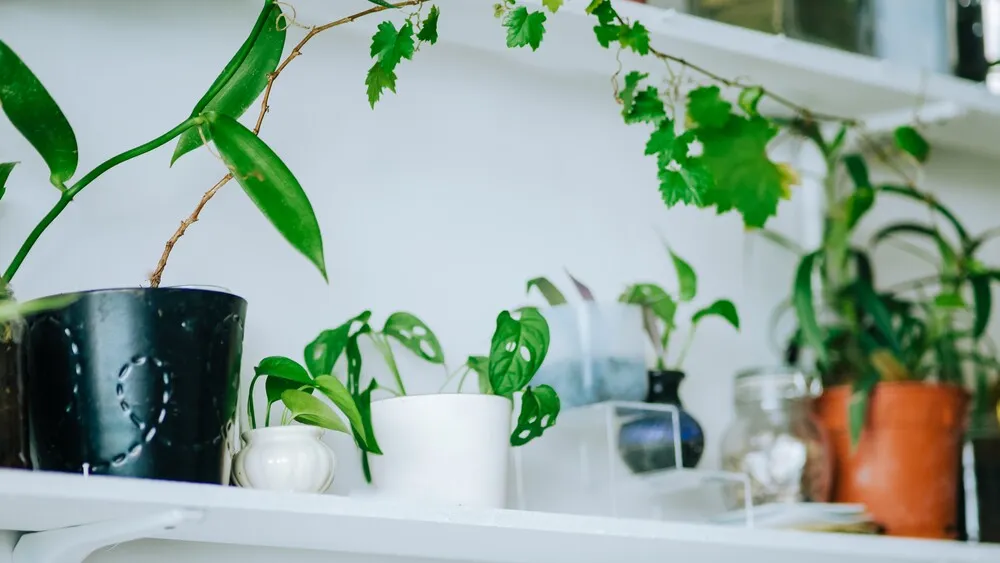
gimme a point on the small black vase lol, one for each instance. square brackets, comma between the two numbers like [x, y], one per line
[136, 383]
[647, 443]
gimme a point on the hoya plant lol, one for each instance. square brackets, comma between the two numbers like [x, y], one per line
[518, 348]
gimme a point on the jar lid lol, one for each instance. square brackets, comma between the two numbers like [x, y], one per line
[770, 385]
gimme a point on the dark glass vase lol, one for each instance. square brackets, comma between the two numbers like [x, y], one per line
[647, 442]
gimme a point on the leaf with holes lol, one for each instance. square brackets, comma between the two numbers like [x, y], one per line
[334, 390]
[524, 28]
[33, 112]
[723, 308]
[912, 142]
[687, 280]
[5, 170]
[415, 335]
[585, 293]
[539, 410]
[481, 365]
[548, 290]
[243, 79]
[706, 107]
[322, 353]
[270, 185]
[307, 409]
[429, 29]
[517, 351]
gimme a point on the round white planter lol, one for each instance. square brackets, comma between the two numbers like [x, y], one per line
[285, 458]
[442, 449]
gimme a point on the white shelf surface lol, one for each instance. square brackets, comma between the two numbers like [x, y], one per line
[47, 501]
[959, 113]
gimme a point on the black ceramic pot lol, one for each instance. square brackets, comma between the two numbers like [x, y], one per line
[13, 413]
[136, 383]
[647, 442]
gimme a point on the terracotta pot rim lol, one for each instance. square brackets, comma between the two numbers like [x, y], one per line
[900, 387]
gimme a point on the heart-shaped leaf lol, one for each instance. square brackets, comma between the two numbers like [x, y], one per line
[539, 410]
[307, 409]
[34, 113]
[517, 351]
[415, 335]
[5, 170]
[687, 280]
[548, 290]
[271, 186]
[654, 298]
[282, 374]
[322, 353]
[481, 365]
[722, 308]
[243, 79]
[334, 390]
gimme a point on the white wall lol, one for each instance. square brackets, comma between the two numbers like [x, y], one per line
[480, 174]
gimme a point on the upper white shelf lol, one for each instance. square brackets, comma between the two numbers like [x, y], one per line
[226, 515]
[963, 114]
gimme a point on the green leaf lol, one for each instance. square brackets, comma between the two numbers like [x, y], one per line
[857, 407]
[687, 280]
[517, 351]
[654, 298]
[390, 46]
[553, 5]
[354, 360]
[378, 81]
[635, 38]
[642, 105]
[242, 80]
[551, 293]
[707, 108]
[585, 293]
[949, 300]
[911, 141]
[416, 336]
[322, 353]
[949, 256]
[928, 199]
[539, 410]
[722, 308]
[607, 33]
[10, 309]
[271, 186]
[857, 169]
[429, 29]
[306, 409]
[858, 204]
[382, 3]
[524, 28]
[744, 176]
[334, 390]
[982, 296]
[481, 365]
[282, 374]
[663, 139]
[34, 113]
[749, 99]
[870, 302]
[603, 10]
[364, 402]
[805, 309]
[5, 170]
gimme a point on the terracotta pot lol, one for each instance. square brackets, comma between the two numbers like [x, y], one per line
[906, 466]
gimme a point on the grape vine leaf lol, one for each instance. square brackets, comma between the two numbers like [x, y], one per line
[749, 99]
[524, 28]
[706, 107]
[635, 38]
[429, 29]
[603, 10]
[389, 47]
[642, 105]
[378, 81]
[606, 34]
[553, 5]
[683, 179]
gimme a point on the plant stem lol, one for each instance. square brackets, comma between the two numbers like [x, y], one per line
[78, 187]
[452, 375]
[384, 348]
[155, 278]
[685, 348]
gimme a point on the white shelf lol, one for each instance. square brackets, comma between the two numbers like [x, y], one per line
[225, 515]
[966, 115]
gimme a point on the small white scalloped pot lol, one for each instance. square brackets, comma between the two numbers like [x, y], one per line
[285, 458]
[442, 449]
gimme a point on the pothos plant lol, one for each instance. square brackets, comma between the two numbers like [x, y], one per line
[518, 348]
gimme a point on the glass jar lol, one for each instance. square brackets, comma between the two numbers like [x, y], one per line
[775, 439]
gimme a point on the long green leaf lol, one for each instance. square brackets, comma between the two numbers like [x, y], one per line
[805, 308]
[306, 409]
[334, 390]
[870, 302]
[857, 407]
[5, 170]
[687, 280]
[723, 308]
[364, 403]
[912, 142]
[548, 290]
[539, 410]
[271, 185]
[243, 79]
[322, 353]
[517, 351]
[10, 309]
[928, 199]
[949, 256]
[415, 335]
[857, 169]
[382, 3]
[982, 296]
[34, 113]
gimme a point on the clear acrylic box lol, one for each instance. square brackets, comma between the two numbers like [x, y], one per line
[576, 468]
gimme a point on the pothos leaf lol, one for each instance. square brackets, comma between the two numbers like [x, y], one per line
[5, 170]
[243, 79]
[333, 389]
[270, 185]
[911, 141]
[707, 108]
[539, 410]
[722, 308]
[687, 280]
[654, 298]
[322, 353]
[33, 112]
[548, 290]
[306, 409]
[415, 335]
[553, 5]
[282, 374]
[517, 351]
[429, 29]
[481, 365]
[524, 28]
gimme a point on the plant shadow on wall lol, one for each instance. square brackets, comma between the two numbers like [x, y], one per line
[895, 361]
[424, 445]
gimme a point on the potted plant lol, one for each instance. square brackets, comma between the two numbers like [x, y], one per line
[597, 352]
[441, 448]
[647, 443]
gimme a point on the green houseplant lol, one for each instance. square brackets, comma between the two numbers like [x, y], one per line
[423, 432]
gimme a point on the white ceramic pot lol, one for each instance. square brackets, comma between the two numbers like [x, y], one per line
[285, 458]
[442, 449]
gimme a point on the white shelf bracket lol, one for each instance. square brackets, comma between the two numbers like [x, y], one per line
[76, 543]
